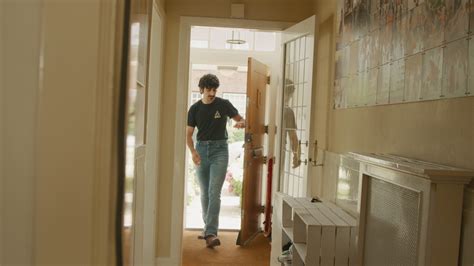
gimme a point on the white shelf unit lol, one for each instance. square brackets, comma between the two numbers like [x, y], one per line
[321, 232]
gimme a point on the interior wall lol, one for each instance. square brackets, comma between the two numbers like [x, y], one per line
[160, 4]
[276, 10]
[20, 23]
[66, 133]
[2, 126]
[439, 131]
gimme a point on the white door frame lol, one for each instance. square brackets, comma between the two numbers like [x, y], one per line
[144, 253]
[177, 208]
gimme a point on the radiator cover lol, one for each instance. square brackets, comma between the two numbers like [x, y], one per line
[409, 211]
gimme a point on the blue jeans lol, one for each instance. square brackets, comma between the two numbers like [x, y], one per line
[211, 175]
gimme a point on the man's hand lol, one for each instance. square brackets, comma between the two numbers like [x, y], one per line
[240, 124]
[296, 159]
[196, 158]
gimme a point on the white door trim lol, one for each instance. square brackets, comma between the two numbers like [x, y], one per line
[145, 251]
[177, 208]
[103, 218]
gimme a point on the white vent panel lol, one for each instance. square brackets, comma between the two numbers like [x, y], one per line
[392, 224]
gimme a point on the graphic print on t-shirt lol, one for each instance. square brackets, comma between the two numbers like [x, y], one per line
[217, 115]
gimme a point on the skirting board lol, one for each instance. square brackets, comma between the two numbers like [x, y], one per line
[166, 261]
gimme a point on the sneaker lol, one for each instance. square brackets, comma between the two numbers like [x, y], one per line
[212, 241]
[201, 236]
[286, 256]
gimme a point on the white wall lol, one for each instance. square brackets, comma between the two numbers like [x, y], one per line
[21, 23]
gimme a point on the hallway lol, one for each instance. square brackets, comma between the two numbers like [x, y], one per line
[195, 252]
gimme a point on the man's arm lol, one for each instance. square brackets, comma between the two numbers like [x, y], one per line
[295, 147]
[190, 144]
[240, 121]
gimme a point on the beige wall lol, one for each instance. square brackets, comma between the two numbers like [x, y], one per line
[160, 4]
[20, 61]
[276, 10]
[66, 120]
[2, 126]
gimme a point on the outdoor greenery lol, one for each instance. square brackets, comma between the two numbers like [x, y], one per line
[235, 135]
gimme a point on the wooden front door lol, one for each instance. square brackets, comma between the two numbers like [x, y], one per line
[257, 82]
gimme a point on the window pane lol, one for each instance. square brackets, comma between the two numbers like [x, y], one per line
[265, 41]
[245, 35]
[219, 37]
[200, 37]
[199, 44]
[200, 33]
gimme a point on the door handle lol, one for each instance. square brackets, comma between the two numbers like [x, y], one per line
[305, 143]
[314, 162]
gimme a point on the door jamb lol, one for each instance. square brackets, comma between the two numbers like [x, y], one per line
[181, 104]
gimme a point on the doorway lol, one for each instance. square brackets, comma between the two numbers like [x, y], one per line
[224, 51]
[184, 62]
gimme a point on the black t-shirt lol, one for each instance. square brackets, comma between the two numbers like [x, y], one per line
[211, 119]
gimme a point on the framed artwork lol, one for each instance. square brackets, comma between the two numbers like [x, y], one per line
[413, 67]
[387, 12]
[397, 81]
[414, 3]
[432, 74]
[386, 43]
[374, 23]
[361, 14]
[470, 88]
[372, 86]
[455, 69]
[383, 89]
[400, 8]
[395, 51]
[361, 99]
[414, 32]
[434, 21]
[338, 93]
[399, 30]
[354, 61]
[374, 49]
[364, 50]
[339, 24]
[457, 24]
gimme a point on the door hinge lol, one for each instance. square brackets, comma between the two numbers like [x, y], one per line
[262, 209]
[266, 129]
[268, 80]
[265, 159]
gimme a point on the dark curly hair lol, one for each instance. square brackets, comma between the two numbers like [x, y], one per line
[209, 81]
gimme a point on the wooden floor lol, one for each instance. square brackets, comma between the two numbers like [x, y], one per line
[195, 252]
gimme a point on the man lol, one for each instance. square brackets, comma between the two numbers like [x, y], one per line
[211, 153]
[289, 122]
